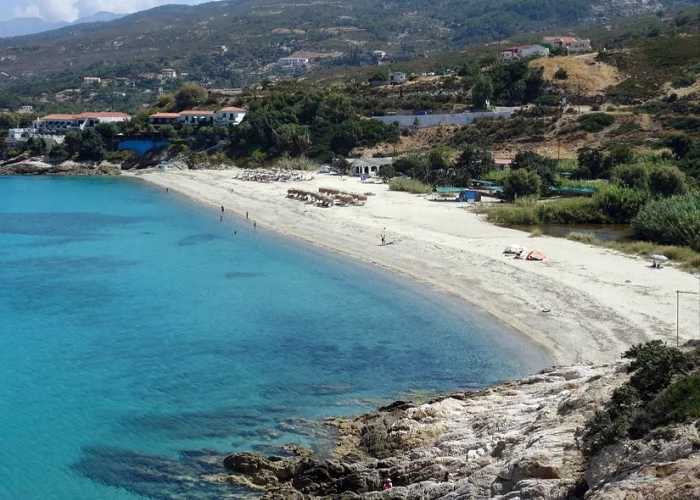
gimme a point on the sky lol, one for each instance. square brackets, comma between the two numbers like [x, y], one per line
[70, 10]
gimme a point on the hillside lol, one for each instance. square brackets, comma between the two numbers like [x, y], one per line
[228, 40]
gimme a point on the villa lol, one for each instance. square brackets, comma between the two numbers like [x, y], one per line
[163, 118]
[229, 116]
[571, 44]
[64, 123]
[196, 117]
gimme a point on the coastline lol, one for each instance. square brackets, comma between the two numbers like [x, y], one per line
[586, 305]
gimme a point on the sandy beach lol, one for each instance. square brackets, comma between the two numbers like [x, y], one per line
[587, 304]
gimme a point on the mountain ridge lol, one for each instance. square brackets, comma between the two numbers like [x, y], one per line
[22, 26]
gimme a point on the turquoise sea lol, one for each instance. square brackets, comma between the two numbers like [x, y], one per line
[136, 328]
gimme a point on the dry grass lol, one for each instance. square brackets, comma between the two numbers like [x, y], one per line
[590, 78]
[536, 233]
[685, 257]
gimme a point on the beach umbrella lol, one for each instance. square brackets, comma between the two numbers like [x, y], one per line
[658, 257]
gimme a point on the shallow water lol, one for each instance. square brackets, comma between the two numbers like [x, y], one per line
[135, 325]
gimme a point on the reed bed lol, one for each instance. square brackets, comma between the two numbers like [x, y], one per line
[409, 186]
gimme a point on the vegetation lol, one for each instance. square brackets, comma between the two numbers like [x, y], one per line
[409, 185]
[685, 257]
[674, 221]
[521, 183]
[660, 391]
[595, 122]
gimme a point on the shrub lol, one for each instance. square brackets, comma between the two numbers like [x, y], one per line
[561, 74]
[620, 205]
[653, 366]
[631, 176]
[595, 122]
[409, 185]
[386, 172]
[667, 180]
[521, 183]
[674, 221]
[569, 211]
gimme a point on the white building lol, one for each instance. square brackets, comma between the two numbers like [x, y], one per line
[571, 44]
[397, 78]
[62, 123]
[15, 135]
[229, 117]
[196, 117]
[368, 166]
[379, 54]
[26, 109]
[523, 52]
[92, 80]
[293, 61]
[168, 73]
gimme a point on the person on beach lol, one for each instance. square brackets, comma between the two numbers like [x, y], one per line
[383, 240]
[255, 225]
[221, 219]
[387, 484]
[246, 215]
[167, 190]
[222, 209]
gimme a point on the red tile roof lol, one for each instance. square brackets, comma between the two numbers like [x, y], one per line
[102, 115]
[198, 113]
[56, 117]
[233, 109]
[165, 115]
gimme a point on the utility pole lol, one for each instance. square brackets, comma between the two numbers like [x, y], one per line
[678, 307]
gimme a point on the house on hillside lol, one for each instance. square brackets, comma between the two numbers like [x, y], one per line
[196, 117]
[163, 118]
[292, 62]
[229, 116]
[62, 123]
[379, 54]
[397, 78]
[168, 73]
[92, 80]
[523, 52]
[570, 44]
[26, 109]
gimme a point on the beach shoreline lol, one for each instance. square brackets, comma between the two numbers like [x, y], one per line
[586, 305]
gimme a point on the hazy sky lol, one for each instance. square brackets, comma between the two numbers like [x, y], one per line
[70, 10]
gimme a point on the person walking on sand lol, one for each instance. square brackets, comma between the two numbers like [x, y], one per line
[387, 484]
[246, 215]
[383, 240]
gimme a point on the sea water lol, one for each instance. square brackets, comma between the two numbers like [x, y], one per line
[135, 325]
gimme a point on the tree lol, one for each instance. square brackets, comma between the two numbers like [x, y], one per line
[521, 183]
[72, 142]
[667, 180]
[189, 96]
[546, 168]
[386, 172]
[482, 91]
[592, 164]
[474, 162]
[631, 176]
[681, 145]
[92, 146]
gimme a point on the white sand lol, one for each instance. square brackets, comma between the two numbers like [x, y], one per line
[600, 302]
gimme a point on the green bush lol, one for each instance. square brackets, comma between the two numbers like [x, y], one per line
[631, 176]
[521, 183]
[561, 74]
[409, 185]
[595, 122]
[667, 180]
[620, 205]
[569, 211]
[673, 221]
[634, 408]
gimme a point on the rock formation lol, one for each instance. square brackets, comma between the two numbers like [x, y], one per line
[517, 440]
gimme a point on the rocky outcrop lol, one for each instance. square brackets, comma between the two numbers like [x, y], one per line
[65, 168]
[518, 440]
